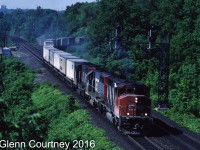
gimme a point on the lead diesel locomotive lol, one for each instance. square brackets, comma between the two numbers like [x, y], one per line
[126, 104]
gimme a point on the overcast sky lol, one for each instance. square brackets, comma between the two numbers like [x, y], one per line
[51, 4]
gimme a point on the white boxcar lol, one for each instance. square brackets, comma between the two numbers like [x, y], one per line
[74, 69]
[63, 62]
[51, 55]
[46, 52]
[56, 57]
[49, 43]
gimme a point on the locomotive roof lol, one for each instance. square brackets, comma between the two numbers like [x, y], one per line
[102, 73]
[132, 83]
[98, 73]
[121, 82]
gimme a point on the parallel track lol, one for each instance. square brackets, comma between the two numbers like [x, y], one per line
[29, 47]
[144, 143]
[184, 140]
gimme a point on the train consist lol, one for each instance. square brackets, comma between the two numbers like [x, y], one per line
[126, 104]
[63, 42]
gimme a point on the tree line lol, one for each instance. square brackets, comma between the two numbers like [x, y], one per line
[30, 24]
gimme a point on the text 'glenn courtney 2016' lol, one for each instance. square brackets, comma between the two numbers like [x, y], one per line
[5, 144]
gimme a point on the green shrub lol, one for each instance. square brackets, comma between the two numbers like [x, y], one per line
[184, 119]
[51, 103]
[66, 124]
[76, 126]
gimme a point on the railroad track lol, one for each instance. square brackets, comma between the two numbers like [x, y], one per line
[165, 139]
[144, 143]
[29, 47]
[164, 136]
[179, 139]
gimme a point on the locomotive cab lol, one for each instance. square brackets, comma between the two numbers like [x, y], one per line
[132, 107]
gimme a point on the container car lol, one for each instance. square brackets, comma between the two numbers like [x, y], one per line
[79, 40]
[46, 52]
[63, 62]
[56, 57]
[74, 69]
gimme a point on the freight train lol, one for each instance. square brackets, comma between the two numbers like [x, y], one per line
[126, 104]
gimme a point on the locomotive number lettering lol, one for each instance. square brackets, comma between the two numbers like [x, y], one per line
[83, 144]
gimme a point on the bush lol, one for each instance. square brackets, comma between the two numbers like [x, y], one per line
[76, 126]
[184, 119]
[51, 103]
[65, 123]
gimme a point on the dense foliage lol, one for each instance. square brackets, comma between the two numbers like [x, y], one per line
[187, 120]
[179, 18]
[30, 24]
[18, 115]
[40, 112]
[67, 122]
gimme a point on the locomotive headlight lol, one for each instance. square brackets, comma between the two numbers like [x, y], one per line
[136, 100]
[128, 114]
[145, 114]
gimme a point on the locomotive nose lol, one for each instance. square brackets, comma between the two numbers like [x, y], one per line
[138, 126]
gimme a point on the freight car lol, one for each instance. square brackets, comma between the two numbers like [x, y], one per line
[126, 104]
[63, 42]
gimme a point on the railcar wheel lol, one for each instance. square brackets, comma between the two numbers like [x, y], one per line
[100, 108]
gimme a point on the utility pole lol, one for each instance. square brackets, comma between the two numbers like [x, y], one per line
[117, 38]
[3, 43]
[3, 39]
[163, 78]
[1, 73]
[163, 50]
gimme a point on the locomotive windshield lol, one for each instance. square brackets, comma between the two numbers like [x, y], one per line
[125, 90]
[121, 91]
[129, 91]
[139, 90]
